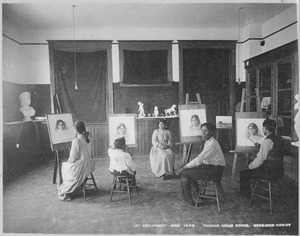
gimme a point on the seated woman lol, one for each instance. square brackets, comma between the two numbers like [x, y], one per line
[162, 158]
[79, 165]
[121, 162]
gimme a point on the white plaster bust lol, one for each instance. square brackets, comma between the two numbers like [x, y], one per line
[297, 120]
[25, 108]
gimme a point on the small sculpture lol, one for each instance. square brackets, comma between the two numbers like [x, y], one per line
[171, 111]
[141, 110]
[296, 119]
[156, 112]
[25, 108]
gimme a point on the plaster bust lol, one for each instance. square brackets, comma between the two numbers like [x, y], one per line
[25, 108]
[297, 120]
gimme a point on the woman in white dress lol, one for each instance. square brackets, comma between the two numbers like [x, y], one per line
[162, 158]
[79, 165]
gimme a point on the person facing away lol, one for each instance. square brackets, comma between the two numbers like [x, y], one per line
[162, 158]
[121, 162]
[253, 134]
[208, 165]
[80, 163]
[268, 162]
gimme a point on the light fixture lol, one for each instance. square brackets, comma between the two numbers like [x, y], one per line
[74, 50]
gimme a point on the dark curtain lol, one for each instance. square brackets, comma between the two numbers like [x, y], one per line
[88, 103]
[206, 71]
[145, 67]
[145, 62]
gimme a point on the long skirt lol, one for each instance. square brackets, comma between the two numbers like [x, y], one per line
[161, 161]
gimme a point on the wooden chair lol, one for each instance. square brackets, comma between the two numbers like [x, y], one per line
[123, 184]
[202, 192]
[267, 188]
[88, 182]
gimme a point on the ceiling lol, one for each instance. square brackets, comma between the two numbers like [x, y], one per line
[140, 14]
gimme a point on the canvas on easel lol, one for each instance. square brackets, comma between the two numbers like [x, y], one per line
[243, 120]
[61, 134]
[191, 116]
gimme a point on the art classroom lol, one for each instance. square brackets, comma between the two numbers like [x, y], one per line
[150, 117]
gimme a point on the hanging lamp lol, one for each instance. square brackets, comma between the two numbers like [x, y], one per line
[74, 51]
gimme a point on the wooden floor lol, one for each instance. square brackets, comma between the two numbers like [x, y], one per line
[30, 205]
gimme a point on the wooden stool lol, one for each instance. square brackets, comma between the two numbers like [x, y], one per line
[87, 184]
[124, 184]
[202, 191]
[267, 189]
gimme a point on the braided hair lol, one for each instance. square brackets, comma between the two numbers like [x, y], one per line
[80, 128]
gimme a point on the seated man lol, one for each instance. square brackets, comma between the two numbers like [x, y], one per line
[120, 161]
[268, 163]
[209, 164]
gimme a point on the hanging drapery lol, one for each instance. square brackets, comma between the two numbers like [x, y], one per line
[93, 100]
[145, 63]
[88, 103]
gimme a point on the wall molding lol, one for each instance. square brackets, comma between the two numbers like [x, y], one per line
[246, 40]
[269, 35]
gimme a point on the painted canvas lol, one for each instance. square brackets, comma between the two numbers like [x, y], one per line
[60, 128]
[122, 125]
[223, 122]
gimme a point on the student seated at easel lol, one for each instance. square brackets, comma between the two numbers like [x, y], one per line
[80, 164]
[268, 163]
[208, 165]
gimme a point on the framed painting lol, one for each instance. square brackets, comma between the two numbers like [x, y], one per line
[223, 122]
[122, 125]
[60, 128]
[249, 130]
[190, 119]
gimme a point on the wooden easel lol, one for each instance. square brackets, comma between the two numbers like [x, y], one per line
[187, 146]
[236, 151]
[57, 164]
[229, 130]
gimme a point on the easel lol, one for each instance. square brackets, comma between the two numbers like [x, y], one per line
[229, 130]
[57, 165]
[249, 150]
[188, 145]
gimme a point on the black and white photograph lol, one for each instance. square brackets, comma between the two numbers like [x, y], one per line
[102, 107]
[224, 122]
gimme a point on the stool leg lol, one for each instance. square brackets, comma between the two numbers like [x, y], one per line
[113, 188]
[256, 182]
[83, 186]
[92, 177]
[198, 197]
[217, 195]
[134, 181]
[270, 197]
[128, 190]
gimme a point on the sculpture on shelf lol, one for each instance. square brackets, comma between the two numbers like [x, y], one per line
[156, 112]
[296, 119]
[25, 108]
[171, 111]
[141, 110]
